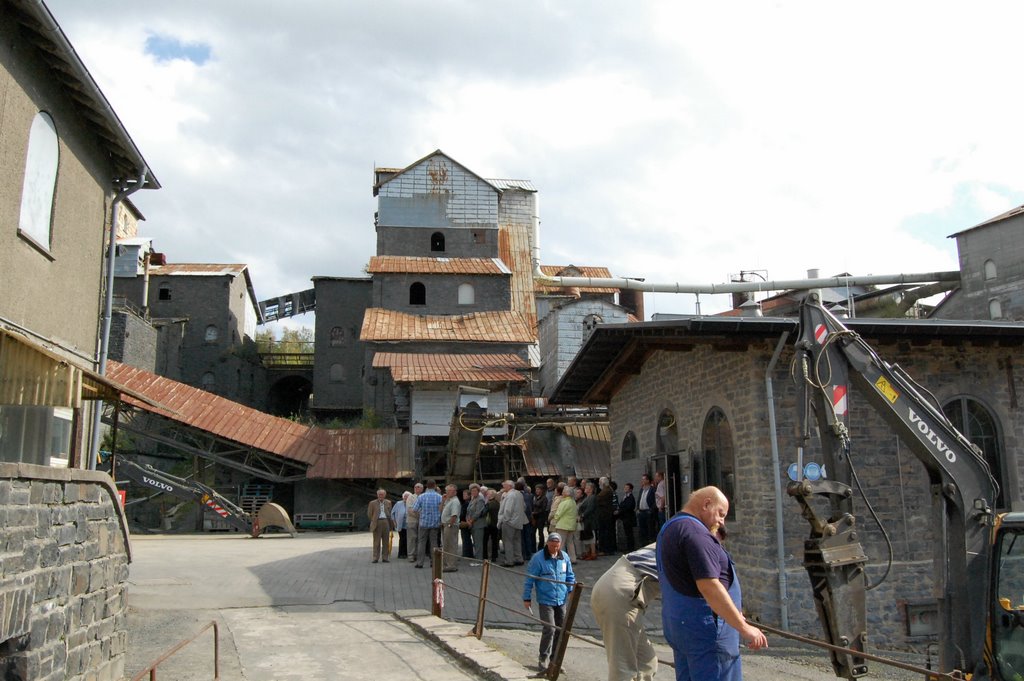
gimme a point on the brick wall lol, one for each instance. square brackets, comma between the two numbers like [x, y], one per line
[133, 340]
[63, 566]
[691, 382]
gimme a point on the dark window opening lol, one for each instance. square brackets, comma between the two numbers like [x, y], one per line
[437, 242]
[165, 292]
[417, 294]
[979, 426]
[629, 448]
[717, 460]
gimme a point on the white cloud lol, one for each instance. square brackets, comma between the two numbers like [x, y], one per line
[672, 141]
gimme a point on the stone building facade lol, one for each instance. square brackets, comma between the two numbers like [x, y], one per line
[690, 397]
[63, 577]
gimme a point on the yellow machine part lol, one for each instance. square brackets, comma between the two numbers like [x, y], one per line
[272, 515]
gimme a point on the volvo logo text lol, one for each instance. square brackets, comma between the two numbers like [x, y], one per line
[156, 483]
[930, 435]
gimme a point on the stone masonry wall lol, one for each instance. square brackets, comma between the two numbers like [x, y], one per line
[64, 557]
[691, 382]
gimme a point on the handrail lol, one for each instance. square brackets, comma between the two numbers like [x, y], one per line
[151, 669]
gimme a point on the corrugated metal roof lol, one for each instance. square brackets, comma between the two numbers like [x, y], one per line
[31, 374]
[197, 269]
[514, 248]
[591, 443]
[525, 185]
[593, 272]
[220, 416]
[1013, 212]
[500, 326]
[409, 367]
[362, 453]
[386, 264]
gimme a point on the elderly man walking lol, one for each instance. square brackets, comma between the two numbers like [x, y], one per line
[550, 571]
[511, 518]
[412, 521]
[379, 514]
[619, 600]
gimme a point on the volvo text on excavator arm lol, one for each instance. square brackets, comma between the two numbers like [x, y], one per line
[828, 358]
[270, 514]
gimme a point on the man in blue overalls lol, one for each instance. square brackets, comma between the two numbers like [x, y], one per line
[701, 604]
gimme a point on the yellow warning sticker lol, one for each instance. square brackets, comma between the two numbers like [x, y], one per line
[883, 386]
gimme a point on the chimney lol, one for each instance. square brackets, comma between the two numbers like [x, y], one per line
[633, 301]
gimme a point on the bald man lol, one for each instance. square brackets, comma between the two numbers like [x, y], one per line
[700, 590]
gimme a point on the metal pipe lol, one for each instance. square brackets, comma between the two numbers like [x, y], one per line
[108, 307]
[780, 548]
[738, 286]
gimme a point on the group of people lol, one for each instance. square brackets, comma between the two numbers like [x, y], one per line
[682, 560]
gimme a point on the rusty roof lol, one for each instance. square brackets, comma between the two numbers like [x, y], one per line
[394, 264]
[500, 326]
[363, 453]
[559, 271]
[408, 367]
[219, 415]
[591, 443]
[514, 240]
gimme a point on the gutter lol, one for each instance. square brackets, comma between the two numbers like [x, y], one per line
[108, 307]
[780, 546]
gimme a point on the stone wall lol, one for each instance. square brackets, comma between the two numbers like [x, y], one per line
[63, 567]
[690, 383]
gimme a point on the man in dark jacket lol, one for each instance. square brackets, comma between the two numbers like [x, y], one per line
[605, 518]
[647, 511]
[627, 515]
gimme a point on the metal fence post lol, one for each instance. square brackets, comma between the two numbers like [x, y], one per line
[485, 576]
[555, 667]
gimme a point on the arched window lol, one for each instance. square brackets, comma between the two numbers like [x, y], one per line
[979, 425]
[629, 449]
[208, 381]
[668, 433]
[40, 180]
[995, 309]
[467, 296]
[717, 459]
[337, 373]
[211, 333]
[164, 292]
[990, 270]
[417, 294]
[437, 242]
[337, 336]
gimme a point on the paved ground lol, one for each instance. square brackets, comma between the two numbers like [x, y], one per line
[315, 607]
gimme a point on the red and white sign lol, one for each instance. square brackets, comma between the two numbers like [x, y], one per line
[819, 333]
[839, 399]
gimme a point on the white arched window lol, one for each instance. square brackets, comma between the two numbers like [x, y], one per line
[995, 310]
[208, 381]
[467, 296]
[990, 270]
[40, 180]
[211, 333]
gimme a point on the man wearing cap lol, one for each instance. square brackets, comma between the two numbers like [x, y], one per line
[619, 600]
[551, 572]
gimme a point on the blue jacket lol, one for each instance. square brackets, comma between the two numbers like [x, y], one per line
[542, 565]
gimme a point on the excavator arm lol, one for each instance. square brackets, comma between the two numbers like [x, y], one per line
[829, 357]
[185, 489]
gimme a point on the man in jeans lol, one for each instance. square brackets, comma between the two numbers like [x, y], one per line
[428, 505]
[551, 573]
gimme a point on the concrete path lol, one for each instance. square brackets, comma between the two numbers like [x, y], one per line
[316, 607]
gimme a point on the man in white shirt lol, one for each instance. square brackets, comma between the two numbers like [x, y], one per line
[450, 527]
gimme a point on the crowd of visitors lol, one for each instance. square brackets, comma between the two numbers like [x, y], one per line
[509, 523]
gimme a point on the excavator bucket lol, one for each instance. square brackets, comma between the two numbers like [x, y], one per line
[272, 515]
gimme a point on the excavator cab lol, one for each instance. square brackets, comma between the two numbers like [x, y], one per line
[1006, 633]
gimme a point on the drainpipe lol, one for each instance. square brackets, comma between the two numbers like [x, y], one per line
[108, 306]
[780, 547]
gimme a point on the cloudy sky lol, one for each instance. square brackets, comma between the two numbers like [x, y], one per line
[677, 141]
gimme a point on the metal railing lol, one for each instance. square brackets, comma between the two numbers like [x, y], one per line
[438, 587]
[151, 669]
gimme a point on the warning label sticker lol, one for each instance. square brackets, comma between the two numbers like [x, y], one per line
[883, 386]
